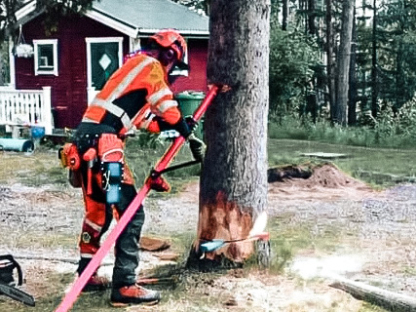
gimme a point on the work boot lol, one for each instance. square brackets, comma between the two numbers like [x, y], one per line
[133, 294]
[96, 283]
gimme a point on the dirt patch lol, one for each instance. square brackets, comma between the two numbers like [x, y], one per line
[326, 175]
[374, 234]
[324, 182]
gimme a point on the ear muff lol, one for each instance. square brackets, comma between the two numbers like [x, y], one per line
[167, 56]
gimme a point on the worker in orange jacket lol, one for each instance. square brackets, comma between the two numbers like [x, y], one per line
[137, 96]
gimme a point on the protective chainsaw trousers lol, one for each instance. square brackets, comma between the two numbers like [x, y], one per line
[98, 217]
[99, 214]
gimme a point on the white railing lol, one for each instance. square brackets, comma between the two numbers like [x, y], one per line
[26, 108]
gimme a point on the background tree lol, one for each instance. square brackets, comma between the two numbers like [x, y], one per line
[9, 28]
[196, 5]
[234, 188]
[343, 68]
[396, 57]
[352, 91]
[8, 18]
[293, 55]
[54, 9]
[330, 42]
[374, 93]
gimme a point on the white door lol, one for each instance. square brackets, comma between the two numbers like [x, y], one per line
[104, 57]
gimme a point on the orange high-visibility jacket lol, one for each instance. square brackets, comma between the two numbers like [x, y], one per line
[133, 96]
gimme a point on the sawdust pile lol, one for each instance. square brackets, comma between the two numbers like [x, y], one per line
[326, 175]
[324, 181]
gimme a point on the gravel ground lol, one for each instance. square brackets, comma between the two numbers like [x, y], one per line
[376, 231]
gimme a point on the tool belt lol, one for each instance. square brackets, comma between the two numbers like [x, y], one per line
[96, 154]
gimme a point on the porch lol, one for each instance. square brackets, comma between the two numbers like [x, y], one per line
[29, 108]
[26, 108]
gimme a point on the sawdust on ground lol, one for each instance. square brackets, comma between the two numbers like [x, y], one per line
[327, 197]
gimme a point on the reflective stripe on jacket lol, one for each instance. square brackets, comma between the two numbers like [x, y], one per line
[133, 96]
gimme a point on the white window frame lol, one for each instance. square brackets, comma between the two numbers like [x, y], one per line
[54, 43]
[118, 40]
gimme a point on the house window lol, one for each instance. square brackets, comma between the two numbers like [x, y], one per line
[46, 57]
[104, 57]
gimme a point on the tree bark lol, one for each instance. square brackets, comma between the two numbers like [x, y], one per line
[352, 92]
[311, 17]
[374, 93]
[1, 69]
[285, 14]
[330, 58]
[234, 176]
[387, 299]
[343, 67]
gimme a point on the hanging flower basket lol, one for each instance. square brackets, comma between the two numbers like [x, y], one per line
[24, 50]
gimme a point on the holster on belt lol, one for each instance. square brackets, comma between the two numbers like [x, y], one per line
[69, 156]
[70, 159]
[111, 155]
[90, 156]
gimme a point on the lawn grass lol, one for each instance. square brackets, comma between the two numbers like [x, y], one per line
[380, 167]
[377, 166]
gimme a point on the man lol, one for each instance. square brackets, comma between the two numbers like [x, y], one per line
[136, 96]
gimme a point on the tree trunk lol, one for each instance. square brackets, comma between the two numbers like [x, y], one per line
[1, 69]
[400, 97]
[234, 176]
[374, 94]
[285, 14]
[311, 17]
[207, 4]
[343, 67]
[352, 92]
[330, 58]
[387, 299]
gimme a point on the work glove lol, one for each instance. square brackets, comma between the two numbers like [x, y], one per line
[159, 184]
[191, 122]
[197, 147]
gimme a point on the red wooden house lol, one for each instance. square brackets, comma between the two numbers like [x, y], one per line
[77, 59]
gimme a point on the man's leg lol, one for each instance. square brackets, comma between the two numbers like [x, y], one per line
[125, 290]
[127, 247]
[96, 222]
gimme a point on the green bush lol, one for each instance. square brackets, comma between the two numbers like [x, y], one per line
[293, 55]
[389, 131]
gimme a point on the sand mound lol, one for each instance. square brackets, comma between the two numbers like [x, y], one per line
[326, 175]
[323, 181]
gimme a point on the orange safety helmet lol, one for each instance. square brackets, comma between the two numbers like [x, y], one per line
[170, 38]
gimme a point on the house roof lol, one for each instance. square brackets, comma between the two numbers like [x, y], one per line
[137, 18]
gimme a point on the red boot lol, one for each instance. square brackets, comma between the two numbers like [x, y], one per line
[134, 294]
[96, 283]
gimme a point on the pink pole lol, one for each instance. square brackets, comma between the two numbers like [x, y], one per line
[79, 284]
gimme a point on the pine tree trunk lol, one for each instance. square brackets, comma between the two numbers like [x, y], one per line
[374, 92]
[234, 176]
[352, 92]
[330, 58]
[344, 57]
[1, 69]
[311, 17]
[285, 14]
